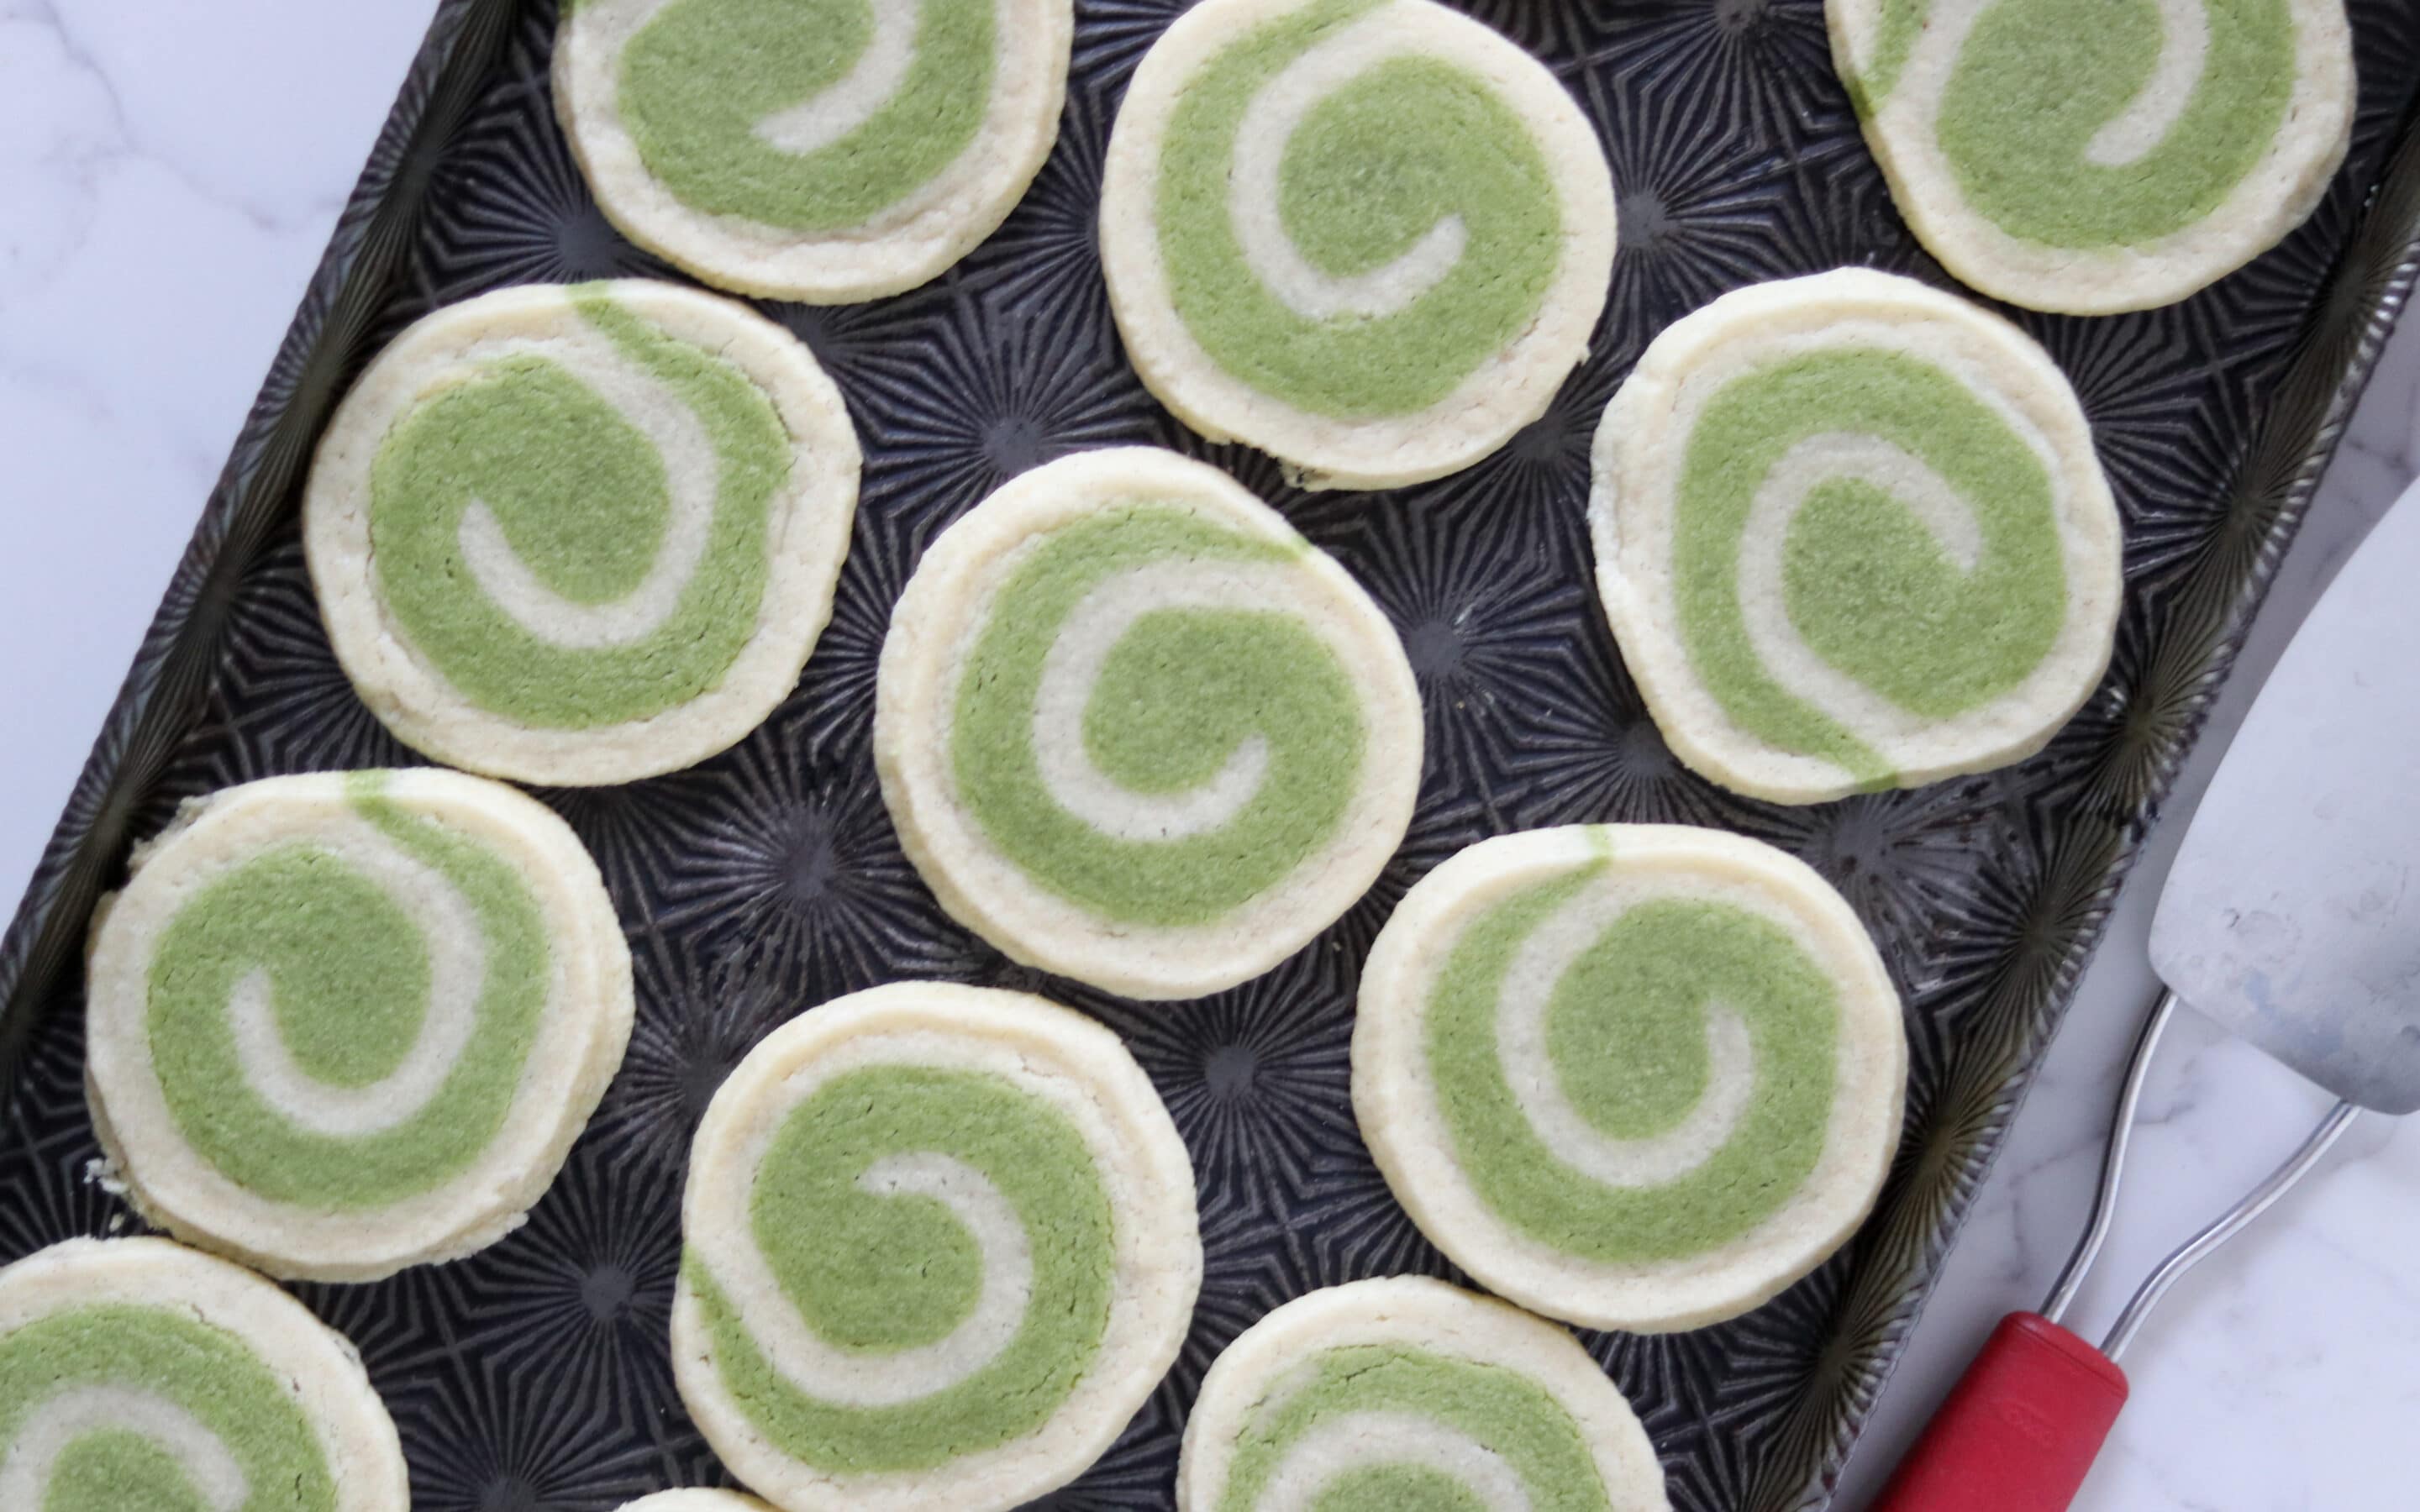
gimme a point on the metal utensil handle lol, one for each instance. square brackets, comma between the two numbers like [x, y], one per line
[2225, 1226]
[2022, 1427]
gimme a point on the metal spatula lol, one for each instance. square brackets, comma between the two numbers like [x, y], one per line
[2293, 917]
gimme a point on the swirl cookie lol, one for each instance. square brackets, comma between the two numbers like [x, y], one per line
[1409, 1392]
[136, 1373]
[582, 535]
[1851, 533]
[696, 1501]
[1635, 1076]
[2090, 157]
[941, 1246]
[1136, 730]
[823, 153]
[1368, 237]
[346, 1023]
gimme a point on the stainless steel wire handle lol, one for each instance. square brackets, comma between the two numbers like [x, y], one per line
[2196, 1249]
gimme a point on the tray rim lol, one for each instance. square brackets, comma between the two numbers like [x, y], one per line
[2373, 278]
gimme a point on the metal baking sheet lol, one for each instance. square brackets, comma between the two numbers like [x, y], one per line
[767, 880]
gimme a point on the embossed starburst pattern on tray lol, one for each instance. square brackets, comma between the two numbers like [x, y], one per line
[767, 880]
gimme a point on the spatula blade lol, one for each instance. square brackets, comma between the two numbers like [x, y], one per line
[2291, 916]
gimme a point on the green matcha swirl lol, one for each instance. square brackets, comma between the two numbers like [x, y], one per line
[924, 1271]
[1631, 1072]
[340, 1021]
[2091, 125]
[807, 115]
[1862, 547]
[1353, 218]
[573, 532]
[110, 1406]
[1153, 721]
[1379, 1428]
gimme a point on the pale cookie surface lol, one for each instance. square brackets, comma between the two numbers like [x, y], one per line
[694, 1500]
[940, 1247]
[1135, 729]
[2092, 156]
[135, 1373]
[1639, 1077]
[582, 535]
[346, 1023]
[1852, 533]
[1410, 1393]
[1368, 237]
[818, 150]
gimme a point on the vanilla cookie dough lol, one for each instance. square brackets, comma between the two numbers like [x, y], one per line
[2092, 156]
[1368, 237]
[1410, 1393]
[940, 1247]
[346, 1023]
[1851, 533]
[1136, 730]
[819, 151]
[135, 1373]
[582, 535]
[1635, 1076]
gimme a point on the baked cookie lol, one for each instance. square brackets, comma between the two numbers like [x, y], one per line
[1409, 1392]
[1136, 730]
[1852, 533]
[695, 1500]
[582, 535]
[137, 1373]
[808, 149]
[2088, 156]
[346, 1023]
[1368, 237]
[1633, 1076]
[941, 1246]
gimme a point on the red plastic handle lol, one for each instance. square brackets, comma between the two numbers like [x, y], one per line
[2019, 1431]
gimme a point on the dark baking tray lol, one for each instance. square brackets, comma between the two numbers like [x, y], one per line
[766, 880]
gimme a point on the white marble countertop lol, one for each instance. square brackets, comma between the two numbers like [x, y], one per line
[157, 227]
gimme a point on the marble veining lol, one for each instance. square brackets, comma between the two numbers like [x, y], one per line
[159, 214]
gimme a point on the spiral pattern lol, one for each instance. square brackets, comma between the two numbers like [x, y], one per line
[819, 150]
[1622, 1055]
[135, 1374]
[996, 1297]
[326, 1011]
[1882, 552]
[582, 535]
[812, 118]
[1150, 726]
[1408, 1392]
[2184, 131]
[340, 1022]
[908, 1248]
[1162, 713]
[577, 537]
[1365, 217]
[1706, 1123]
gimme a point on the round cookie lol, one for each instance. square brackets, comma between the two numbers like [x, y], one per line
[1134, 729]
[820, 151]
[695, 1500]
[346, 1023]
[1638, 1077]
[2092, 156]
[1406, 1392]
[942, 1246]
[1368, 237]
[1851, 533]
[582, 535]
[137, 1373]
